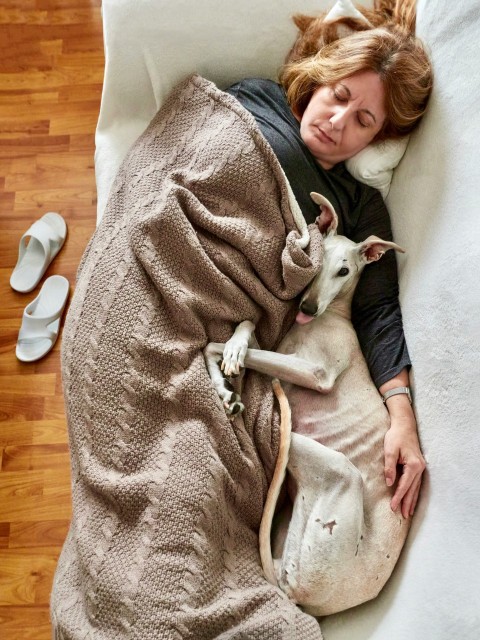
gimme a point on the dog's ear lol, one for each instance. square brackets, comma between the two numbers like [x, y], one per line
[327, 221]
[373, 248]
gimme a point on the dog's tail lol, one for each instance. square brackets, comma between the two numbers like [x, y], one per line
[276, 483]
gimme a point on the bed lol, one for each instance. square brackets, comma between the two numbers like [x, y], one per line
[150, 46]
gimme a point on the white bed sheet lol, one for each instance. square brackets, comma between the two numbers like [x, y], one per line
[434, 593]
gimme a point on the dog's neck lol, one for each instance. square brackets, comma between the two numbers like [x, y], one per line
[341, 307]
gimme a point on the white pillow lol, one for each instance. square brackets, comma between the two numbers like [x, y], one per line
[374, 165]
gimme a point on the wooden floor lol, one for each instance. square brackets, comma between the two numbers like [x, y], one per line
[51, 71]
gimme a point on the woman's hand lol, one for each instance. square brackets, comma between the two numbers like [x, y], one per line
[402, 448]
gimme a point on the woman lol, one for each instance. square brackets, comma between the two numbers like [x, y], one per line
[368, 86]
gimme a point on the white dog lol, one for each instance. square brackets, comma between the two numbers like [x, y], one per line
[334, 545]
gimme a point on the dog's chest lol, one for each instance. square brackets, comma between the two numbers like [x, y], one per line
[327, 341]
[351, 417]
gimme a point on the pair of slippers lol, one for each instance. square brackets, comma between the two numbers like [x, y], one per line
[41, 317]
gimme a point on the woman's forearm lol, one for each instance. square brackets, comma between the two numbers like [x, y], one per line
[399, 405]
[402, 447]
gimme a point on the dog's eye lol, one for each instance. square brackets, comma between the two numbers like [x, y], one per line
[343, 272]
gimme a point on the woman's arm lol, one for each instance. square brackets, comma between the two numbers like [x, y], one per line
[376, 313]
[402, 447]
[377, 318]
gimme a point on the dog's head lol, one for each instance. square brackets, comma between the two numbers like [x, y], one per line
[343, 262]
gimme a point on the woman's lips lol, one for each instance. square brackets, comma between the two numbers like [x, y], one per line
[323, 136]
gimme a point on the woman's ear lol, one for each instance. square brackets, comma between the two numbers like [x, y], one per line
[327, 221]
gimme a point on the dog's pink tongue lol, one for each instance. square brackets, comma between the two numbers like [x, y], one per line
[302, 318]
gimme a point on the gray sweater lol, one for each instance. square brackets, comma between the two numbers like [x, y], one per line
[376, 313]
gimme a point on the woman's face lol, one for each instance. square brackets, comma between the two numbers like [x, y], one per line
[342, 119]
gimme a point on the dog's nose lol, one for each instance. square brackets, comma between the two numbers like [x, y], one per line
[308, 308]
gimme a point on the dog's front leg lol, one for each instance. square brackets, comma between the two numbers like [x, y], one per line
[236, 348]
[291, 368]
[231, 356]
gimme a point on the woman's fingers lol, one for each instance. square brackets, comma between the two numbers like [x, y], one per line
[408, 487]
[390, 470]
[408, 499]
[415, 499]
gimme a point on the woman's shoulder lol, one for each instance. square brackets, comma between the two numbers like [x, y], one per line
[260, 91]
[266, 100]
[256, 85]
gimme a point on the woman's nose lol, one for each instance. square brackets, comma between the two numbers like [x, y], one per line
[340, 117]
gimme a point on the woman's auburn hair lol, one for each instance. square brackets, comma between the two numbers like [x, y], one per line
[396, 55]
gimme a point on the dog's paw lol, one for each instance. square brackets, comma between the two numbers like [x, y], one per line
[232, 401]
[234, 407]
[234, 355]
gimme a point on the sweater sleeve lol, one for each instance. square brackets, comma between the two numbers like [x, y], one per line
[376, 313]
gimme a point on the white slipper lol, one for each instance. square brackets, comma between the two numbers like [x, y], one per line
[47, 236]
[41, 320]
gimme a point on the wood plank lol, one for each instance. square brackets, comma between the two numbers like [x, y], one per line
[26, 576]
[43, 508]
[52, 199]
[71, 124]
[29, 98]
[25, 623]
[82, 141]
[12, 129]
[72, 170]
[4, 538]
[54, 408]
[76, 15]
[52, 504]
[29, 535]
[7, 202]
[19, 147]
[51, 79]
[35, 457]
[15, 35]
[18, 484]
[15, 408]
[21, 114]
[90, 93]
[33, 432]
[34, 384]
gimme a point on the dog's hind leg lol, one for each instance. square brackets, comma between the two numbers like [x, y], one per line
[321, 548]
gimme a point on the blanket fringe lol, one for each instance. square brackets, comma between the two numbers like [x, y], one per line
[276, 483]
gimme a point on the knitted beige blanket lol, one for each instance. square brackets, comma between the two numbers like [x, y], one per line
[200, 233]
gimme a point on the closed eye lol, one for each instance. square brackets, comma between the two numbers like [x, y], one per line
[343, 272]
[340, 97]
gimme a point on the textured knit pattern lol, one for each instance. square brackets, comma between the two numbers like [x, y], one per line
[167, 492]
